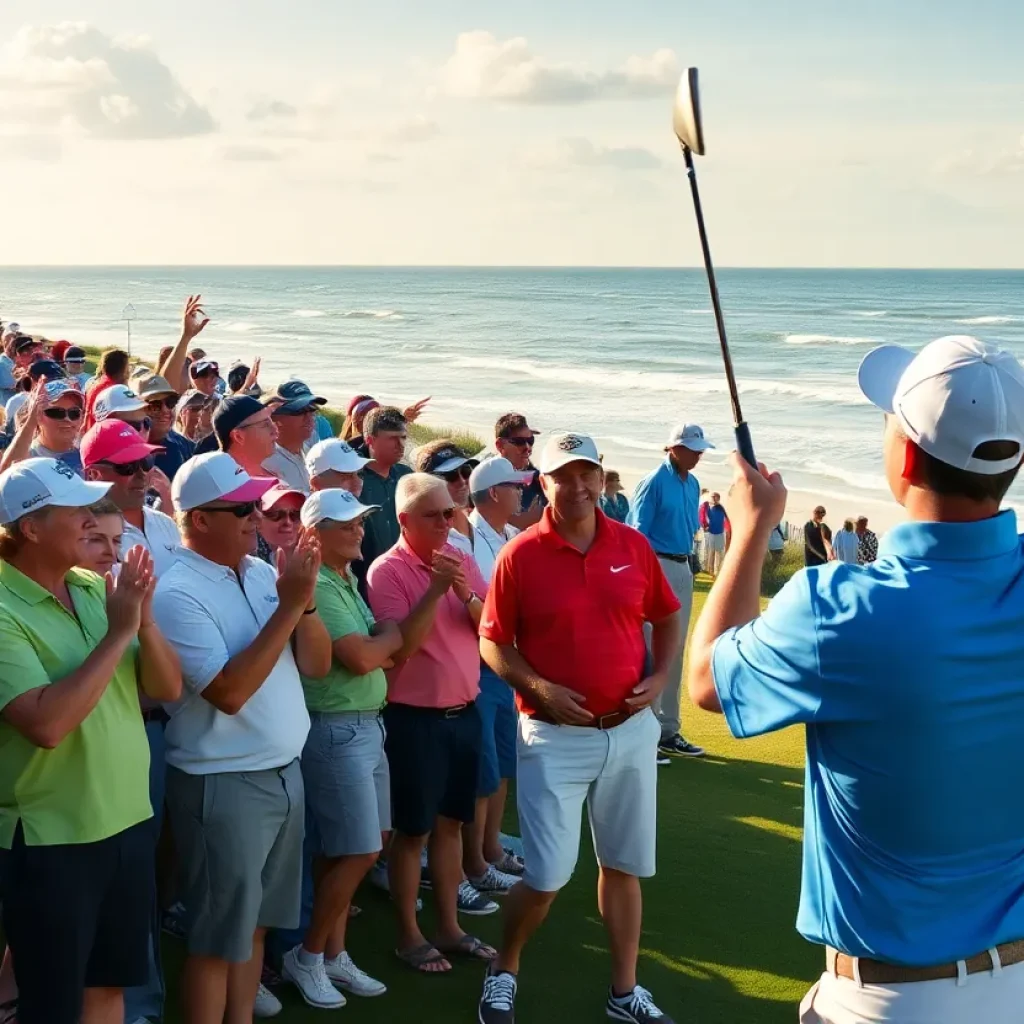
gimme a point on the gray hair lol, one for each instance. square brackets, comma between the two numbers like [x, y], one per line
[481, 497]
[413, 487]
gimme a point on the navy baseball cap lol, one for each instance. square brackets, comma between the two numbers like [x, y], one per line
[293, 396]
[232, 412]
[74, 354]
[46, 369]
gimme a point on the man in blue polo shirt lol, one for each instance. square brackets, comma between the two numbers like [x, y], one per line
[665, 512]
[909, 675]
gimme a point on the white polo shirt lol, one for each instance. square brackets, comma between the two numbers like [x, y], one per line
[159, 536]
[289, 468]
[487, 542]
[209, 616]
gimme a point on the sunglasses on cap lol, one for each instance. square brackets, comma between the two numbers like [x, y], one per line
[279, 515]
[167, 402]
[131, 468]
[448, 514]
[520, 442]
[242, 511]
[63, 414]
[462, 473]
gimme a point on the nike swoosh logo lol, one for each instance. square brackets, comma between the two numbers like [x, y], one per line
[489, 624]
[620, 568]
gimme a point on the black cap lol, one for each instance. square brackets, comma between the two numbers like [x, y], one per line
[236, 377]
[46, 369]
[74, 354]
[23, 341]
[446, 460]
[230, 413]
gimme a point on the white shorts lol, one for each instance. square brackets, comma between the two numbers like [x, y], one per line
[715, 542]
[988, 997]
[614, 770]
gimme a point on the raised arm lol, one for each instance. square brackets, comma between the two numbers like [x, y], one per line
[193, 321]
[758, 502]
[18, 450]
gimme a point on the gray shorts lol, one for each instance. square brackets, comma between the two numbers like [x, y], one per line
[239, 840]
[348, 786]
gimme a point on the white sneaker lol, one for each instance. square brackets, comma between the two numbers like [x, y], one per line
[267, 1004]
[494, 882]
[346, 975]
[312, 982]
[471, 901]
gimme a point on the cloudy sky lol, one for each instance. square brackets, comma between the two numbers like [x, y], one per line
[535, 132]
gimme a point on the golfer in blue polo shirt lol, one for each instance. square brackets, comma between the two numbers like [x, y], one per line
[909, 675]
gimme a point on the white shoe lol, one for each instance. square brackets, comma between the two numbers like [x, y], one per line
[494, 882]
[312, 982]
[267, 1004]
[346, 975]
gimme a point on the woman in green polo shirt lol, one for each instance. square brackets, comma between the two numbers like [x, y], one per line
[344, 768]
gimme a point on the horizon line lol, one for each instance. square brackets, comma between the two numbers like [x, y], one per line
[488, 266]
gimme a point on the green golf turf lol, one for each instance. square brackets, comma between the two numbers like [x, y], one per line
[718, 944]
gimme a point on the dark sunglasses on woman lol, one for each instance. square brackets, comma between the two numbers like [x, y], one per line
[279, 515]
[462, 473]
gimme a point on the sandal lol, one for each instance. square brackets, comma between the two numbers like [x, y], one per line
[472, 948]
[422, 957]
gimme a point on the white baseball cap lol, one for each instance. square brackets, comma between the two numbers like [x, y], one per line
[689, 435]
[495, 472]
[216, 476]
[118, 398]
[37, 483]
[949, 398]
[562, 448]
[338, 505]
[59, 388]
[335, 455]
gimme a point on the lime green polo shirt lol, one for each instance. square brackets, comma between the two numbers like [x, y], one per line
[95, 782]
[343, 612]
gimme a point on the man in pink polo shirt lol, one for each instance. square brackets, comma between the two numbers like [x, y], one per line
[435, 594]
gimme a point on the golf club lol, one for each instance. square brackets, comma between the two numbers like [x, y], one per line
[689, 131]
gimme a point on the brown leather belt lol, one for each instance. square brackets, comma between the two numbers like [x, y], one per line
[609, 721]
[874, 972]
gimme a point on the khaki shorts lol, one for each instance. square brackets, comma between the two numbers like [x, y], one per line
[614, 771]
[239, 841]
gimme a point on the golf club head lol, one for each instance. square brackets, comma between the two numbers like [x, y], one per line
[686, 114]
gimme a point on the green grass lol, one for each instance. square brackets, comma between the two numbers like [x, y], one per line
[718, 946]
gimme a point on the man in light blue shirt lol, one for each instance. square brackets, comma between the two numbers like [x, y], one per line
[665, 512]
[909, 676]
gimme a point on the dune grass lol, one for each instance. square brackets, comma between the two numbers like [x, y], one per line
[718, 946]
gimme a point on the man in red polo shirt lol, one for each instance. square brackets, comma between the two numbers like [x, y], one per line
[563, 624]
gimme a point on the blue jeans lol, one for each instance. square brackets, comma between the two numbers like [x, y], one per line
[148, 1000]
[499, 720]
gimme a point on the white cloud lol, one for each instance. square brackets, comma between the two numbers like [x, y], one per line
[583, 153]
[76, 77]
[1003, 162]
[415, 129]
[484, 67]
[267, 109]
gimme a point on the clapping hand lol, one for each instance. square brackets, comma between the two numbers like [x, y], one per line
[444, 571]
[38, 400]
[252, 378]
[130, 597]
[297, 572]
[194, 319]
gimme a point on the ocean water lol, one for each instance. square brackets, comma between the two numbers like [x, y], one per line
[619, 353]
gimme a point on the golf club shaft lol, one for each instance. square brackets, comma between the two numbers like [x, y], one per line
[744, 444]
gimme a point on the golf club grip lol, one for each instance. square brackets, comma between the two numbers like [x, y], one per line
[744, 444]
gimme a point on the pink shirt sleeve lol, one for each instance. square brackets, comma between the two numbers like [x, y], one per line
[388, 598]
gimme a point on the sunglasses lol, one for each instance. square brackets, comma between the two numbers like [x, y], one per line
[279, 515]
[448, 514]
[156, 404]
[131, 468]
[462, 473]
[520, 442]
[140, 425]
[63, 414]
[307, 411]
[242, 511]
